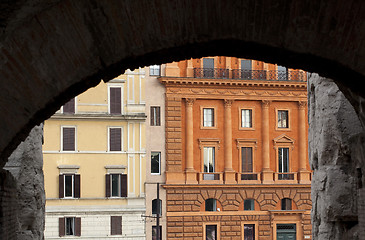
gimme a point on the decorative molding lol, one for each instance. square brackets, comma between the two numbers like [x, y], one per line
[283, 140]
[189, 101]
[302, 104]
[265, 103]
[209, 142]
[228, 103]
[246, 142]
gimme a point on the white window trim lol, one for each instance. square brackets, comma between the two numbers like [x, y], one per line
[73, 226]
[66, 126]
[159, 163]
[72, 186]
[119, 185]
[121, 141]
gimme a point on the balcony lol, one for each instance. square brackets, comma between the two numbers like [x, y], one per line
[211, 178]
[286, 177]
[269, 75]
[248, 178]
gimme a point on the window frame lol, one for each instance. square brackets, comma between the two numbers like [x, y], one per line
[252, 143]
[288, 128]
[159, 163]
[121, 138]
[122, 182]
[155, 70]
[73, 226]
[75, 106]
[283, 202]
[155, 116]
[287, 160]
[110, 86]
[255, 223]
[72, 185]
[205, 224]
[62, 138]
[251, 109]
[155, 227]
[118, 231]
[214, 207]
[252, 203]
[215, 113]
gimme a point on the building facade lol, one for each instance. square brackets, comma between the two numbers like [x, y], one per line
[236, 150]
[94, 163]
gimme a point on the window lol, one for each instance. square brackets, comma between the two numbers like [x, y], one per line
[69, 107]
[115, 225]
[69, 186]
[246, 118]
[116, 185]
[249, 205]
[154, 233]
[282, 73]
[156, 208]
[246, 154]
[211, 232]
[69, 226]
[155, 116]
[208, 67]
[155, 70]
[286, 204]
[246, 69]
[283, 119]
[68, 138]
[115, 100]
[208, 117]
[283, 160]
[115, 139]
[209, 159]
[211, 205]
[249, 231]
[155, 162]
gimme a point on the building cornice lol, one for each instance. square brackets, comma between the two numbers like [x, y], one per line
[102, 116]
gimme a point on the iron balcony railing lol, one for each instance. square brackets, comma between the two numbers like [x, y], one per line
[222, 73]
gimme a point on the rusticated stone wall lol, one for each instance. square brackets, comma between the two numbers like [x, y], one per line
[336, 153]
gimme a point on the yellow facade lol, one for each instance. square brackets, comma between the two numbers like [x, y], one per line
[92, 159]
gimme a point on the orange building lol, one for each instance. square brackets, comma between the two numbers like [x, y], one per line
[236, 150]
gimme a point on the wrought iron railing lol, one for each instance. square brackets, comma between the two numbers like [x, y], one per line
[222, 73]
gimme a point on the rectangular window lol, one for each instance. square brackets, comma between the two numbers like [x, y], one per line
[155, 116]
[248, 205]
[246, 118]
[69, 186]
[286, 204]
[116, 185]
[249, 231]
[115, 225]
[155, 70]
[246, 69]
[208, 117]
[246, 154]
[115, 139]
[115, 100]
[283, 119]
[208, 67]
[283, 160]
[211, 232]
[69, 107]
[154, 233]
[69, 226]
[155, 162]
[209, 159]
[68, 138]
[282, 73]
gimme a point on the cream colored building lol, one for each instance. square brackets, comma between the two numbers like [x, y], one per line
[95, 163]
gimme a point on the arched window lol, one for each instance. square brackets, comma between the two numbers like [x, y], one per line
[156, 209]
[211, 205]
[286, 204]
[249, 205]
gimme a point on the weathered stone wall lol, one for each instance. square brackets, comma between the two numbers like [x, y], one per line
[22, 196]
[336, 154]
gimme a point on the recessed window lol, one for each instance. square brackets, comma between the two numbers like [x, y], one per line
[69, 186]
[155, 162]
[69, 107]
[115, 225]
[246, 155]
[208, 117]
[283, 119]
[211, 232]
[155, 70]
[155, 116]
[115, 139]
[283, 160]
[116, 185]
[208, 67]
[249, 205]
[69, 226]
[115, 98]
[209, 162]
[211, 205]
[156, 206]
[68, 138]
[286, 204]
[249, 231]
[246, 118]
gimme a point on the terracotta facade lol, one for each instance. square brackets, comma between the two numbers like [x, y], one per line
[224, 116]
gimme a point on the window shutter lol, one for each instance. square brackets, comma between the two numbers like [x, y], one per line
[124, 185]
[116, 225]
[77, 186]
[152, 116]
[77, 226]
[61, 227]
[68, 139]
[115, 100]
[107, 185]
[60, 186]
[69, 107]
[158, 122]
[115, 141]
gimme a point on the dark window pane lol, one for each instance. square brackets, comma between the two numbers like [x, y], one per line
[69, 107]
[154, 233]
[286, 204]
[115, 185]
[211, 204]
[155, 207]
[249, 232]
[283, 160]
[211, 232]
[249, 205]
[208, 67]
[68, 185]
[70, 226]
[115, 100]
[115, 139]
[155, 162]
